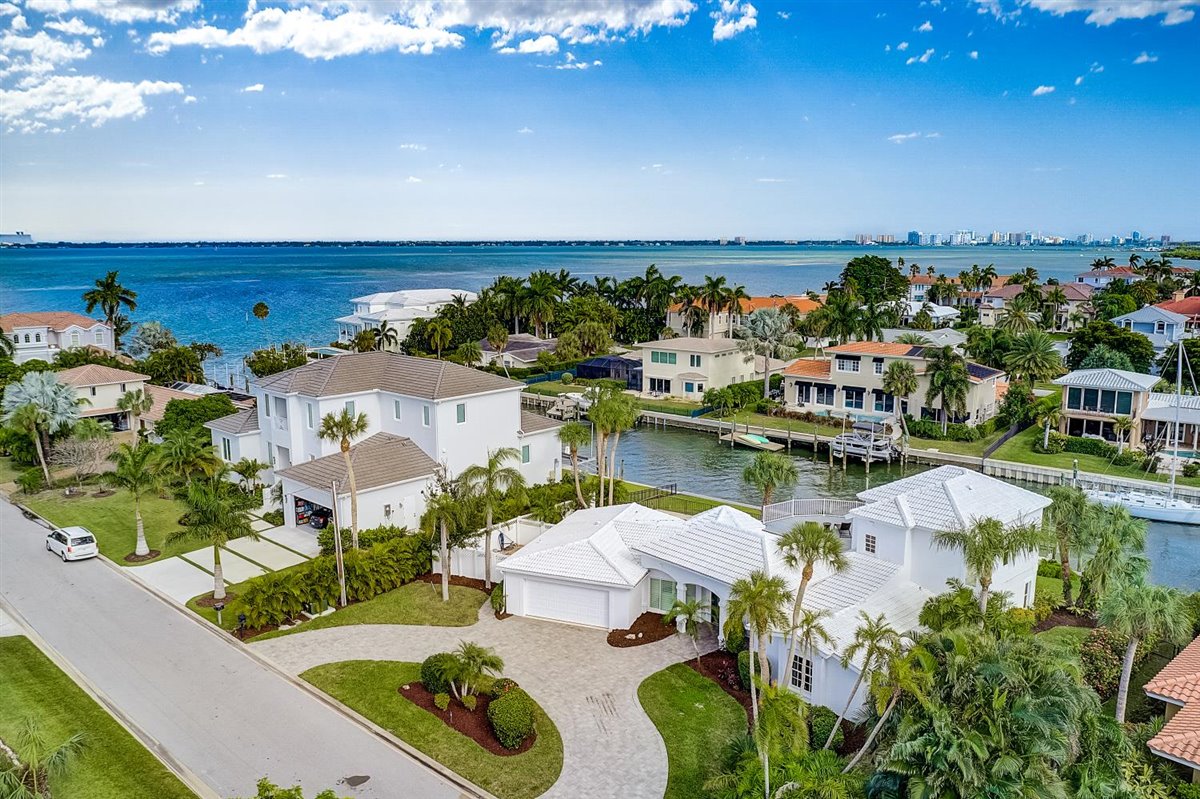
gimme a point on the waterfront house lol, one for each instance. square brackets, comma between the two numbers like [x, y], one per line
[1161, 326]
[725, 322]
[40, 335]
[520, 352]
[1178, 687]
[603, 567]
[101, 388]
[849, 380]
[612, 367]
[1101, 277]
[420, 413]
[942, 337]
[918, 288]
[687, 367]
[1092, 398]
[1075, 312]
[941, 315]
[397, 309]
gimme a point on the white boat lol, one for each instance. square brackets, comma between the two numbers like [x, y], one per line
[866, 440]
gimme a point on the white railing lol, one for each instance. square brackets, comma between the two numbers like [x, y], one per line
[792, 508]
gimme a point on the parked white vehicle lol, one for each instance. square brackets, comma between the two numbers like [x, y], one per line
[72, 543]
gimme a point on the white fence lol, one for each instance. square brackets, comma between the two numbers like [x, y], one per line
[792, 508]
[469, 561]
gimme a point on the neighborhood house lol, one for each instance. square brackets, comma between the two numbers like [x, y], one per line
[42, 335]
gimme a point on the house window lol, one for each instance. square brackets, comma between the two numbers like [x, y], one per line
[100, 337]
[37, 336]
[524, 453]
[663, 357]
[1124, 402]
[396, 409]
[1160, 327]
[847, 364]
[662, 594]
[267, 407]
[879, 366]
[660, 385]
[226, 449]
[92, 390]
[460, 412]
[271, 454]
[350, 407]
[802, 674]
[699, 388]
[688, 388]
[854, 398]
[75, 339]
[308, 414]
[425, 415]
[122, 388]
[884, 403]
[26, 338]
[869, 544]
[694, 360]
[1028, 594]
[825, 394]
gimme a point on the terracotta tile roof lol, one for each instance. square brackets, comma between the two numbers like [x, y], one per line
[800, 302]
[55, 320]
[807, 367]
[1188, 306]
[1074, 292]
[382, 459]
[1179, 683]
[1180, 679]
[1180, 738]
[927, 280]
[352, 373]
[876, 348]
[161, 396]
[94, 374]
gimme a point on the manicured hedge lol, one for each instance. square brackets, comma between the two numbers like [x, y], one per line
[512, 716]
[1089, 446]
[434, 671]
[744, 658]
[928, 428]
[366, 538]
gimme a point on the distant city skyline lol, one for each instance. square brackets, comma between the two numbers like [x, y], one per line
[615, 119]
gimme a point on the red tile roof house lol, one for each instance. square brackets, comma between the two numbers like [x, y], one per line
[1178, 685]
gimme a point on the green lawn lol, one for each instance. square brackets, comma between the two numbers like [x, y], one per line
[9, 470]
[111, 519]
[1069, 638]
[554, 388]
[1019, 449]
[113, 764]
[1051, 588]
[371, 687]
[415, 603]
[689, 503]
[696, 720]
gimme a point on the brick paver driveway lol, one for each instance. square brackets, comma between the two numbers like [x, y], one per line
[610, 747]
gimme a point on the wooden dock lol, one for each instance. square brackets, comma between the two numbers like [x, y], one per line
[745, 441]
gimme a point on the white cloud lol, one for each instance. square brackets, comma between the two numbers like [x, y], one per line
[189, 99]
[542, 45]
[1145, 58]
[197, 182]
[78, 98]
[770, 180]
[900, 138]
[973, 55]
[254, 87]
[1096, 68]
[1079, 80]
[525, 130]
[1105, 12]
[926, 27]
[37, 54]
[9, 10]
[732, 18]
[934, 135]
[413, 179]
[411, 146]
[123, 11]
[72, 27]
[19, 23]
[902, 46]
[276, 176]
[1040, 90]
[923, 58]
[784, 14]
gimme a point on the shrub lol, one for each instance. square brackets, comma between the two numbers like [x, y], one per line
[1042, 609]
[1100, 656]
[441, 701]
[497, 597]
[30, 481]
[366, 538]
[434, 669]
[1089, 446]
[735, 640]
[501, 687]
[1050, 568]
[820, 721]
[512, 717]
[744, 659]
[469, 701]
[1132, 458]
[928, 428]
[1021, 620]
[274, 517]
[1057, 443]
[567, 378]
[1191, 469]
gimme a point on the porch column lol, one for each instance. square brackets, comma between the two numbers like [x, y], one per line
[681, 595]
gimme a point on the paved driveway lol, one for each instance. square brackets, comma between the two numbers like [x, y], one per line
[610, 747]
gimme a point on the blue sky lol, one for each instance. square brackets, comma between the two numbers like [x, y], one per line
[608, 118]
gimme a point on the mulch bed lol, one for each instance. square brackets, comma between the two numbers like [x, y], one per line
[646, 629]
[132, 558]
[1065, 618]
[208, 601]
[471, 723]
[721, 667]
[465, 582]
[104, 493]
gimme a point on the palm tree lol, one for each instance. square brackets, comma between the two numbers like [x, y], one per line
[1103, 263]
[136, 403]
[711, 297]
[343, 428]
[900, 380]
[497, 339]
[984, 542]
[693, 613]
[914, 339]
[1055, 299]
[819, 774]
[1121, 426]
[469, 353]
[248, 469]
[52, 408]
[1142, 612]
[767, 333]
[574, 435]
[471, 663]
[509, 292]
[1116, 555]
[111, 296]
[539, 299]
[216, 516]
[185, 454]
[1049, 418]
[809, 634]
[1016, 320]
[37, 758]
[135, 473]
[843, 316]
[757, 602]
[904, 671]
[439, 334]
[261, 311]
[769, 471]
[490, 483]
[364, 340]
[1033, 357]
[1067, 519]
[949, 381]
[802, 548]
[611, 413]
[873, 639]
[387, 337]
[442, 511]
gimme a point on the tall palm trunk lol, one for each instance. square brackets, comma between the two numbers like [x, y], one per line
[891, 705]
[1064, 558]
[766, 376]
[805, 576]
[218, 574]
[1126, 671]
[945, 416]
[353, 491]
[764, 665]
[612, 466]
[41, 456]
[985, 591]
[487, 551]
[575, 470]
[753, 684]
[141, 549]
[444, 557]
[849, 701]
[600, 457]
[1046, 436]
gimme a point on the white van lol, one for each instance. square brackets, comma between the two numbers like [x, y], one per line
[72, 543]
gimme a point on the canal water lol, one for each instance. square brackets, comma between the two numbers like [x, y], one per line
[697, 463]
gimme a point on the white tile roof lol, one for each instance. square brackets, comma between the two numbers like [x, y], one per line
[898, 600]
[1108, 378]
[593, 545]
[947, 498]
[721, 551]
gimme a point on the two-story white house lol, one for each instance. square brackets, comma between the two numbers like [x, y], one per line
[40, 335]
[397, 309]
[687, 367]
[603, 567]
[420, 412]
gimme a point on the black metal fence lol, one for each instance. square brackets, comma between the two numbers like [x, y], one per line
[645, 496]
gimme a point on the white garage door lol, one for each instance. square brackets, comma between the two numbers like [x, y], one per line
[571, 603]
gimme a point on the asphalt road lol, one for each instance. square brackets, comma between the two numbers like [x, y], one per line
[210, 705]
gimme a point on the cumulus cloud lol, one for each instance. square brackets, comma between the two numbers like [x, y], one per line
[72, 27]
[1105, 12]
[37, 54]
[934, 135]
[525, 130]
[542, 45]
[923, 58]
[122, 11]
[77, 99]
[1040, 90]
[413, 179]
[188, 100]
[1079, 80]
[925, 27]
[784, 14]
[9, 10]
[732, 18]
[1145, 58]
[276, 176]
[902, 46]
[571, 62]
[900, 138]
[254, 87]
[973, 55]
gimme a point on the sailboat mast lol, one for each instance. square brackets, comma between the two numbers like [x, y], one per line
[1178, 402]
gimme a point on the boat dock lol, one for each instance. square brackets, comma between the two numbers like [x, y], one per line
[753, 441]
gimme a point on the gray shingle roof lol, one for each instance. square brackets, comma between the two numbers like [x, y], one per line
[236, 424]
[1109, 378]
[1150, 313]
[382, 459]
[536, 423]
[352, 373]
